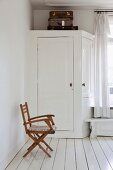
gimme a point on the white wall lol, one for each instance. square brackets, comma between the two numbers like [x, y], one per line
[14, 23]
[83, 18]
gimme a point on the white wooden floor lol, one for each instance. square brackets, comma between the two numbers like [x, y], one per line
[68, 154]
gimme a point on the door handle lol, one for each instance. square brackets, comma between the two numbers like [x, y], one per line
[70, 84]
[83, 84]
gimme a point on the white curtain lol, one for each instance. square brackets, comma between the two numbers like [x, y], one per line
[102, 108]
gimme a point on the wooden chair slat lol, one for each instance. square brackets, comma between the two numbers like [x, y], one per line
[24, 111]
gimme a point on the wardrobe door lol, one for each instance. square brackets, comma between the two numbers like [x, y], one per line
[55, 80]
[86, 64]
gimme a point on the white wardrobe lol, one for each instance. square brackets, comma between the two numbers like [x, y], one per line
[58, 79]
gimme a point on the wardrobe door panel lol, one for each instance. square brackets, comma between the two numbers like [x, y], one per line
[55, 80]
[86, 63]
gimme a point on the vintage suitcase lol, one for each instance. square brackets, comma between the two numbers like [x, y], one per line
[62, 27]
[61, 14]
[60, 22]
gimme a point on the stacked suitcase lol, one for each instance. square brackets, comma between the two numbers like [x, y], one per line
[61, 20]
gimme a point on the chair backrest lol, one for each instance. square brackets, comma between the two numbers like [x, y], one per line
[25, 115]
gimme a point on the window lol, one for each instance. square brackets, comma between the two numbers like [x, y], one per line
[110, 60]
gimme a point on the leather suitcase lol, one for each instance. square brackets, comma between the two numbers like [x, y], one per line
[62, 28]
[60, 22]
[61, 14]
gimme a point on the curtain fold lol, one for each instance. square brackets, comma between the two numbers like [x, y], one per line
[102, 108]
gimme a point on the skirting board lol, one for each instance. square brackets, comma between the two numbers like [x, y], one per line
[100, 127]
[4, 163]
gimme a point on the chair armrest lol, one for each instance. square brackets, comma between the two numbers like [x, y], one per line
[37, 117]
[34, 121]
[48, 121]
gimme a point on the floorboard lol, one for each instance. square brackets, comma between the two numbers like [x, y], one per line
[48, 162]
[25, 163]
[59, 161]
[70, 161]
[39, 158]
[67, 154]
[80, 155]
[19, 157]
[109, 141]
[90, 155]
[103, 162]
[106, 150]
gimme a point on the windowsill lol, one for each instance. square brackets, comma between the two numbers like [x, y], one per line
[111, 107]
[99, 120]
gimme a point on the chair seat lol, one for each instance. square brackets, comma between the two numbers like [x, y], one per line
[40, 128]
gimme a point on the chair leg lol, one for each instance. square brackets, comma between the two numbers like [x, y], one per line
[46, 144]
[44, 150]
[31, 146]
[30, 149]
[41, 138]
[37, 142]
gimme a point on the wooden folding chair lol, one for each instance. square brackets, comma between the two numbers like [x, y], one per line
[36, 132]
